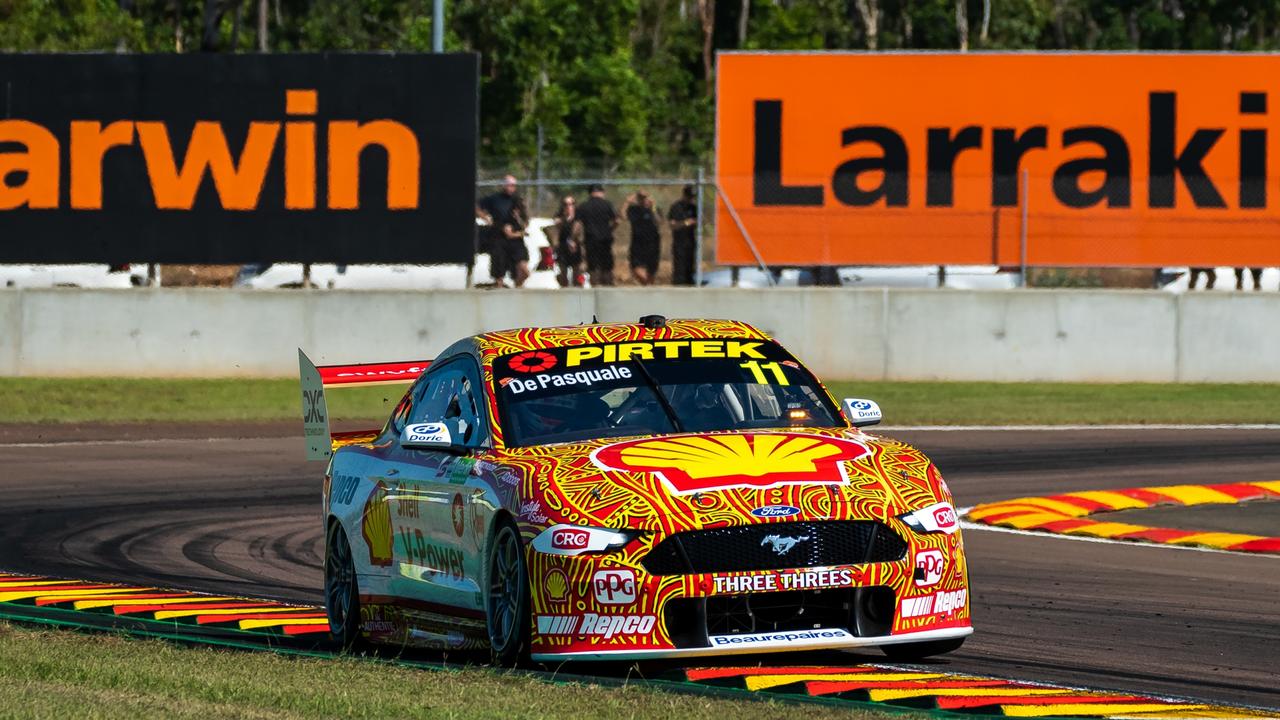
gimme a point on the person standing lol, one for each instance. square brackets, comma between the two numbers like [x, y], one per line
[1209, 274]
[646, 243]
[514, 251]
[497, 212]
[598, 220]
[1257, 278]
[568, 243]
[683, 218]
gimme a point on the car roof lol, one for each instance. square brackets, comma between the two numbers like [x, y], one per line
[505, 342]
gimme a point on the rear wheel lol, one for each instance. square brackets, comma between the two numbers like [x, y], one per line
[908, 652]
[507, 599]
[341, 592]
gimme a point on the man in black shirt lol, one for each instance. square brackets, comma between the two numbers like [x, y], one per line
[646, 243]
[598, 221]
[506, 253]
[683, 218]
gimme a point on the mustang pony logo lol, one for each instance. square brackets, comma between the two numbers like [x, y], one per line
[701, 463]
[782, 545]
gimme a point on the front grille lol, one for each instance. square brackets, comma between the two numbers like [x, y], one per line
[775, 546]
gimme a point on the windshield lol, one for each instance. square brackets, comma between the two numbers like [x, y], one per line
[654, 387]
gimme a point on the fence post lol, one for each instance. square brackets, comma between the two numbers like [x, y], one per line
[437, 27]
[1022, 254]
[697, 233]
[537, 175]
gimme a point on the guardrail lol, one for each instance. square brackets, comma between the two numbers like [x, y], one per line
[872, 334]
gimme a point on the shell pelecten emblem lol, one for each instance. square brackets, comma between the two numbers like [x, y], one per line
[376, 526]
[701, 463]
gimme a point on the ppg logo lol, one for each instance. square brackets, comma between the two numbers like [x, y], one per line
[614, 587]
[314, 411]
[929, 565]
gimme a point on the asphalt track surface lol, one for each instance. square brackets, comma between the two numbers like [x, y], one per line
[241, 515]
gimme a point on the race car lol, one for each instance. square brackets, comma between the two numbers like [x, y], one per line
[658, 489]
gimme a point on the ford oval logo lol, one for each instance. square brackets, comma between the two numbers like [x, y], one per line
[775, 511]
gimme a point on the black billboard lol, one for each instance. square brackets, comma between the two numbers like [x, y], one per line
[236, 158]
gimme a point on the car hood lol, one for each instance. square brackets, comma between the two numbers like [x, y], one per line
[686, 481]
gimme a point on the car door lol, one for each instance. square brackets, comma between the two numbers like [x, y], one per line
[431, 504]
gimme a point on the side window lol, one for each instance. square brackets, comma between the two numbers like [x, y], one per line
[463, 405]
[453, 391]
[400, 416]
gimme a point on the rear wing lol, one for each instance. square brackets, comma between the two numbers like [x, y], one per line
[315, 411]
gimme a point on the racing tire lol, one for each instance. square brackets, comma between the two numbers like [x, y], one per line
[341, 591]
[507, 597]
[910, 652]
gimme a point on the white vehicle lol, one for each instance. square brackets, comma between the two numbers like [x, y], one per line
[83, 275]
[408, 277]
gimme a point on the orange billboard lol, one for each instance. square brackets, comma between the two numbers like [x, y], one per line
[1093, 159]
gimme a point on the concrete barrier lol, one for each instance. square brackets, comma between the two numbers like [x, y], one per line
[872, 334]
[1231, 337]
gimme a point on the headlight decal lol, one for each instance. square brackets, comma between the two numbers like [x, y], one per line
[563, 539]
[938, 517]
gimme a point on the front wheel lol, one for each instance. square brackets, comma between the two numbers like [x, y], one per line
[341, 592]
[910, 652]
[507, 600]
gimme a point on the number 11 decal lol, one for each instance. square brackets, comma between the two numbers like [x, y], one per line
[757, 371]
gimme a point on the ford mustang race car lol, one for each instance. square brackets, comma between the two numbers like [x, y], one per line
[630, 491]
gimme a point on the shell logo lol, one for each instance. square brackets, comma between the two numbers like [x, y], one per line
[701, 463]
[556, 584]
[376, 526]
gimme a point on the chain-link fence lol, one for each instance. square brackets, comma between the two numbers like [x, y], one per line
[544, 187]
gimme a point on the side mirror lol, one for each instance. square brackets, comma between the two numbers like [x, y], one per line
[862, 413]
[446, 435]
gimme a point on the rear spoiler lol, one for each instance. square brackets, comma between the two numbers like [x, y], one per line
[315, 412]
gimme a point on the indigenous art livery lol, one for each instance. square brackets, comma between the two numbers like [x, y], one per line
[628, 491]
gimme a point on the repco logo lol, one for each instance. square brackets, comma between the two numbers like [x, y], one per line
[570, 539]
[237, 180]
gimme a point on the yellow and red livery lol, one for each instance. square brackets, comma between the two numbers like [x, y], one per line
[630, 491]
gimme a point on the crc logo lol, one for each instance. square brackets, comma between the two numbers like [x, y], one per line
[570, 539]
[929, 565]
[945, 517]
[614, 587]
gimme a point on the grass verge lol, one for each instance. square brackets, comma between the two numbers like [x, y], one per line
[972, 403]
[31, 400]
[59, 673]
[41, 400]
